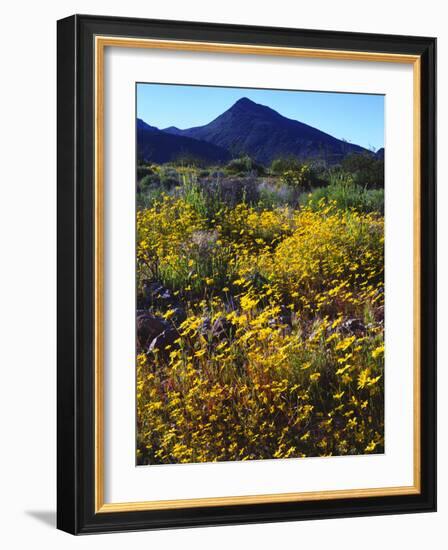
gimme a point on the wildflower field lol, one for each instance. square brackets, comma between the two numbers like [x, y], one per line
[260, 319]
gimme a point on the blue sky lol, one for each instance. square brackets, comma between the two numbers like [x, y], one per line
[358, 118]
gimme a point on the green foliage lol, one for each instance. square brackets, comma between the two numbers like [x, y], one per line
[149, 197]
[169, 177]
[206, 198]
[144, 170]
[148, 181]
[195, 197]
[243, 166]
[274, 194]
[346, 193]
[154, 182]
[294, 173]
[189, 160]
[300, 178]
[367, 169]
[284, 164]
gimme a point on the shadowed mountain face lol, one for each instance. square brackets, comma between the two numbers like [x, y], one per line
[380, 154]
[143, 126]
[259, 131]
[154, 145]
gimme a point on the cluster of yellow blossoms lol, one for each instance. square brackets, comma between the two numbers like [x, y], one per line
[297, 369]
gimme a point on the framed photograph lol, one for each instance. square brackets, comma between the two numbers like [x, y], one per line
[246, 266]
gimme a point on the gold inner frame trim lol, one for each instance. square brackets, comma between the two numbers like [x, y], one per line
[101, 42]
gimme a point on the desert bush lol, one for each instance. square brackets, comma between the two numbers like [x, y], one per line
[345, 193]
[300, 178]
[209, 195]
[274, 194]
[283, 164]
[149, 197]
[144, 170]
[169, 177]
[148, 181]
[194, 195]
[232, 191]
[366, 168]
[189, 160]
[243, 166]
[153, 185]
[206, 196]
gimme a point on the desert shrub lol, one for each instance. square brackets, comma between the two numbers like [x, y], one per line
[300, 178]
[216, 173]
[231, 191]
[366, 168]
[194, 195]
[345, 193]
[154, 184]
[169, 177]
[148, 181]
[283, 164]
[189, 160]
[149, 197]
[273, 195]
[209, 195]
[143, 170]
[243, 166]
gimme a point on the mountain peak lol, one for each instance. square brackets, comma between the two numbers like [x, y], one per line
[247, 104]
[244, 101]
[247, 107]
[251, 128]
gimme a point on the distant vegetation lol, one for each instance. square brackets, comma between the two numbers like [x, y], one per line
[357, 182]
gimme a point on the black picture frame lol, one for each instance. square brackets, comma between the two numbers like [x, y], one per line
[76, 264]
